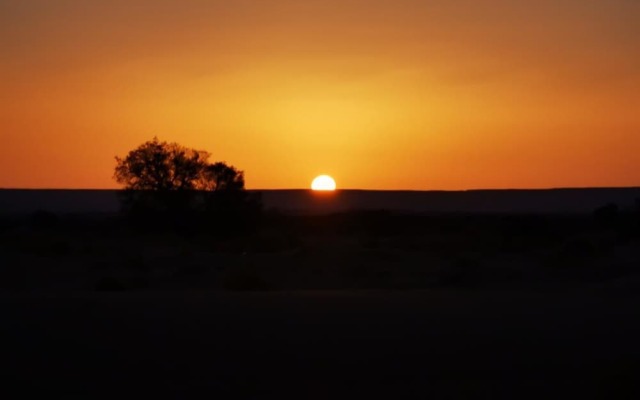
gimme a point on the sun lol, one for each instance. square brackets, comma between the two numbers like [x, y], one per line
[324, 183]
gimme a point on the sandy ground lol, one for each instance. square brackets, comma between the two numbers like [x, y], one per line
[433, 344]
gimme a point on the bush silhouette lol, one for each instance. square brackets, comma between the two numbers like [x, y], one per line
[220, 177]
[169, 185]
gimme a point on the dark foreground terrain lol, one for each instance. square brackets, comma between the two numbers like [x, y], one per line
[355, 305]
[302, 201]
[429, 344]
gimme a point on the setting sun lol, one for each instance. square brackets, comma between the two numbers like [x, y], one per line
[323, 182]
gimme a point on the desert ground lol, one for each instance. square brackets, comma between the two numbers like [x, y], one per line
[444, 344]
[356, 304]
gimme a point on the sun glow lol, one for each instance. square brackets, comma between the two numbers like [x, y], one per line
[324, 183]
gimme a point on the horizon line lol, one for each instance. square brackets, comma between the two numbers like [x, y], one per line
[357, 189]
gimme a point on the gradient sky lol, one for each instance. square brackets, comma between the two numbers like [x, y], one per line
[398, 94]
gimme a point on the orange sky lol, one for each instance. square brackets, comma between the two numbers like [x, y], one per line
[398, 94]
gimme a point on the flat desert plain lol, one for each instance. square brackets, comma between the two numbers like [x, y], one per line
[428, 344]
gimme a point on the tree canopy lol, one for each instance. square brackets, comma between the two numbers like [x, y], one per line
[160, 177]
[162, 166]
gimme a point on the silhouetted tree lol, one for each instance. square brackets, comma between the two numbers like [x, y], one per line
[226, 203]
[161, 166]
[170, 179]
[160, 177]
[222, 177]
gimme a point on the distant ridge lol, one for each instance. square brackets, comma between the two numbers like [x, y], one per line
[303, 201]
